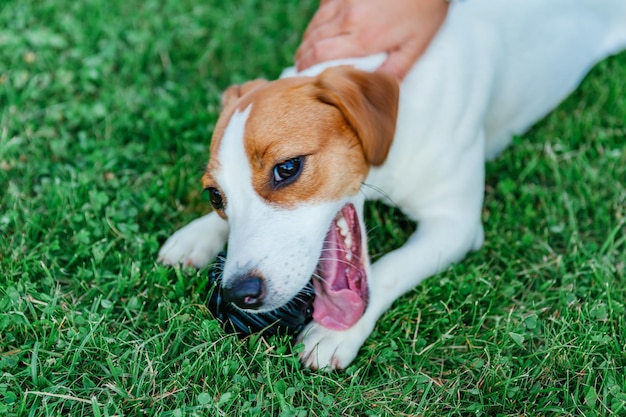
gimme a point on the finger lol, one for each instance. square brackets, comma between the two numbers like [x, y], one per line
[320, 26]
[326, 31]
[328, 10]
[342, 46]
[400, 60]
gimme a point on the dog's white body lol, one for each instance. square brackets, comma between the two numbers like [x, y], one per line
[494, 69]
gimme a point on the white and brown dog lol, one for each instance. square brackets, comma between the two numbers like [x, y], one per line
[293, 160]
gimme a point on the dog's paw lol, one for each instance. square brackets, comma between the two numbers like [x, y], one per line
[327, 349]
[195, 244]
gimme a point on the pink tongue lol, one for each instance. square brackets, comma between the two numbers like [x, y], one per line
[341, 291]
[337, 310]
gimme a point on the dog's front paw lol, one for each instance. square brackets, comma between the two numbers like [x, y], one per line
[195, 244]
[327, 349]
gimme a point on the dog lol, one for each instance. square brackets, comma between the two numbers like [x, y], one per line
[293, 160]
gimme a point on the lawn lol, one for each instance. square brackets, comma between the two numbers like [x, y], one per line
[106, 110]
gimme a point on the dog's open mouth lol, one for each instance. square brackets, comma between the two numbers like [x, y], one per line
[340, 280]
[337, 292]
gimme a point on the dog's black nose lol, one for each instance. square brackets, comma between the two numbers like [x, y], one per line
[246, 292]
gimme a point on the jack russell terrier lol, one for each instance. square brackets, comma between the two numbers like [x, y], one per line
[293, 160]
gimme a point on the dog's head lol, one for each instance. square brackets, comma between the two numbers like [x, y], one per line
[288, 159]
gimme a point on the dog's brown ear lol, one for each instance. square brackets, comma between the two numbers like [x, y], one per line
[232, 93]
[369, 103]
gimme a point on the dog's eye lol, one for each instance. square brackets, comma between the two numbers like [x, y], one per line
[215, 197]
[287, 171]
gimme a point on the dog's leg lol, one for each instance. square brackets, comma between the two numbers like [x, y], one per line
[197, 243]
[438, 242]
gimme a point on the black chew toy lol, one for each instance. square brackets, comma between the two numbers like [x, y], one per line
[289, 319]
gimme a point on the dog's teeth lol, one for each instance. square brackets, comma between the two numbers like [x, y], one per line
[343, 227]
[349, 255]
[344, 231]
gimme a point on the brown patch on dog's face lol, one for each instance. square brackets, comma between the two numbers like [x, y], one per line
[337, 124]
[292, 123]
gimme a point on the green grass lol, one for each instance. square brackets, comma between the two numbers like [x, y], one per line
[106, 107]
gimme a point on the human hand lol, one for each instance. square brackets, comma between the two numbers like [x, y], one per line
[355, 28]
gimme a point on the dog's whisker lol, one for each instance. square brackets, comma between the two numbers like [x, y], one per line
[320, 278]
[341, 251]
[379, 191]
[336, 249]
[340, 261]
[328, 258]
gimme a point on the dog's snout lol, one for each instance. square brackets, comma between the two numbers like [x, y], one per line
[246, 292]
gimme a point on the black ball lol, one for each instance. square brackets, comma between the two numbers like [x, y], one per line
[289, 319]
